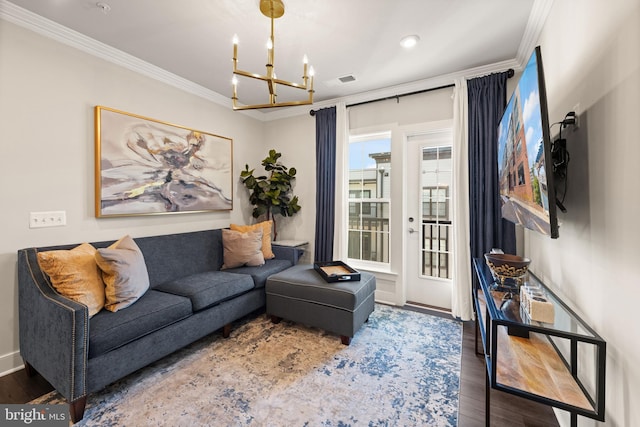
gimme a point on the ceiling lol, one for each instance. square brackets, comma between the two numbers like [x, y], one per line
[192, 39]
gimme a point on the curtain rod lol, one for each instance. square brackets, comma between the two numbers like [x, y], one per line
[397, 97]
[510, 73]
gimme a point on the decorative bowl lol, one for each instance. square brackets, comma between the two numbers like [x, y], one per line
[507, 266]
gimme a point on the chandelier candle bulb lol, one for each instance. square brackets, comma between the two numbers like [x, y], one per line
[305, 62]
[235, 47]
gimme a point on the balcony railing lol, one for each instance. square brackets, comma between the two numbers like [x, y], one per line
[436, 248]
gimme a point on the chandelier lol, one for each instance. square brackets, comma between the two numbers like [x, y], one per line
[272, 9]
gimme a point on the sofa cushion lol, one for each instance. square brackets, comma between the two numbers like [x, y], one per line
[153, 311]
[75, 275]
[210, 288]
[124, 272]
[261, 273]
[173, 256]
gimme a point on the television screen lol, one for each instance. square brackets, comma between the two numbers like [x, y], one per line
[525, 170]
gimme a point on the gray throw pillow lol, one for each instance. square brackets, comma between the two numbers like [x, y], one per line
[242, 248]
[124, 273]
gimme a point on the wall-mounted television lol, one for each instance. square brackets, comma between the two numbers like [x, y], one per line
[525, 169]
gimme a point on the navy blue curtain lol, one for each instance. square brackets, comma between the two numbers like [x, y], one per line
[487, 100]
[325, 182]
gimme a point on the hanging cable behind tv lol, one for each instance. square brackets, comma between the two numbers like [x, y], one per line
[560, 157]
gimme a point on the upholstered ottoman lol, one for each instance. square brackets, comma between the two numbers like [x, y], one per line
[299, 294]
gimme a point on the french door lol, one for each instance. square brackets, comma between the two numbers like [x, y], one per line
[429, 246]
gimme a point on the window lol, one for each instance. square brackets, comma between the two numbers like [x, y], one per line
[369, 197]
[437, 231]
[435, 203]
[521, 174]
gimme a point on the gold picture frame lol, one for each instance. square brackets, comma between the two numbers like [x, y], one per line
[145, 166]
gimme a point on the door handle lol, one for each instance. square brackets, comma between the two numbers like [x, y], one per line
[411, 230]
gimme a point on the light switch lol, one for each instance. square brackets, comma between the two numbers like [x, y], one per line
[47, 219]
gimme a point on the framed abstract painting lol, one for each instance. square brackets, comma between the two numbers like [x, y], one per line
[146, 167]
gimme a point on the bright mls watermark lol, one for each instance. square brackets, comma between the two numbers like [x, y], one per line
[34, 415]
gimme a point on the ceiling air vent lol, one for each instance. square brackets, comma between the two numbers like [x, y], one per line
[339, 81]
[347, 79]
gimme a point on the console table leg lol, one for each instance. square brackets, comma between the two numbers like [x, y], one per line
[475, 324]
[574, 419]
[487, 401]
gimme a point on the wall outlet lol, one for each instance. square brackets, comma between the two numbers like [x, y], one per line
[47, 219]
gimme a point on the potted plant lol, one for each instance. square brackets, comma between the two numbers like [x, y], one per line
[271, 195]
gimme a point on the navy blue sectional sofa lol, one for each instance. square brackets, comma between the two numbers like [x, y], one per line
[189, 297]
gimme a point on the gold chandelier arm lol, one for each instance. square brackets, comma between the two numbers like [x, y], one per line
[309, 101]
[290, 84]
[251, 75]
[276, 81]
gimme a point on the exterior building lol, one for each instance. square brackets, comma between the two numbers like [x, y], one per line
[539, 176]
[369, 195]
[516, 176]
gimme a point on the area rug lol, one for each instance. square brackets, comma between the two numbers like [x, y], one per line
[401, 369]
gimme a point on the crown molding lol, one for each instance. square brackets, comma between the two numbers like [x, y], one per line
[537, 18]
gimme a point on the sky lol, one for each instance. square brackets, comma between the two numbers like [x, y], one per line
[359, 152]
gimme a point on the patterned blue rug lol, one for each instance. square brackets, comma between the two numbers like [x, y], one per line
[401, 369]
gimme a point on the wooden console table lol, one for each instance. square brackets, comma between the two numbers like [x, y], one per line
[543, 367]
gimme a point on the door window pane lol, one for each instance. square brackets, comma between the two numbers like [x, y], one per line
[437, 235]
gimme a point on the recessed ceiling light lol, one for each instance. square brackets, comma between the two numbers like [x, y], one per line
[408, 42]
[104, 7]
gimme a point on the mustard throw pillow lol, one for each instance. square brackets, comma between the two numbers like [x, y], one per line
[124, 273]
[75, 275]
[241, 248]
[265, 226]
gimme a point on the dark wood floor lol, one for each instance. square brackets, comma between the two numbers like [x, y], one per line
[506, 410]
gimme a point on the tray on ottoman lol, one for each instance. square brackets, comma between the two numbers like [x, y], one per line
[336, 271]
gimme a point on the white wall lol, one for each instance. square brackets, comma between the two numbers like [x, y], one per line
[591, 55]
[432, 106]
[47, 94]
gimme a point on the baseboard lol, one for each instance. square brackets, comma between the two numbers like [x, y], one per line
[428, 307]
[385, 297]
[10, 362]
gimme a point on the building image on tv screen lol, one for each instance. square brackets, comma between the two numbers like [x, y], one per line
[522, 171]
